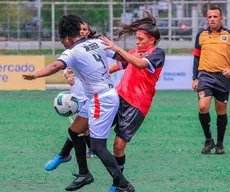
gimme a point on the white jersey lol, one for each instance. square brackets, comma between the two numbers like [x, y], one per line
[77, 88]
[88, 60]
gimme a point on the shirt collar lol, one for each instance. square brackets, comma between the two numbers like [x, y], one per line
[219, 30]
[83, 39]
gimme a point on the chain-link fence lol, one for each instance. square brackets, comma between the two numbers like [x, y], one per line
[26, 25]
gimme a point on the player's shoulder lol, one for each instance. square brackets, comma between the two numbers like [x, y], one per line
[203, 32]
[160, 50]
[225, 30]
[66, 52]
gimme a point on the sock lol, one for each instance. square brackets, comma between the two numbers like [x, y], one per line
[100, 149]
[121, 162]
[222, 121]
[80, 151]
[205, 120]
[87, 140]
[67, 147]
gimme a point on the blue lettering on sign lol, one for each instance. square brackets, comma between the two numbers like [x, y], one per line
[17, 68]
[3, 78]
[11, 68]
[169, 76]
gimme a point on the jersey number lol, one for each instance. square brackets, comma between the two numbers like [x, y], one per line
[98, 59]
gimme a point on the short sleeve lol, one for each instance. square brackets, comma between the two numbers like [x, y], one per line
[156, 59]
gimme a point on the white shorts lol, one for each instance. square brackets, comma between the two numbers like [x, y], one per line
[101, 110]
[82, 113]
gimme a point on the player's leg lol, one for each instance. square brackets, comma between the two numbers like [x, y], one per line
[129, 121]
[89, 153]
[79, 126]
[100, 125]
[221, 99]
[63, 157]
[205, 93]
[205, 121]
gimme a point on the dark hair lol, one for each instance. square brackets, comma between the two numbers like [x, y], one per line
[92, 33]
[216, 8]
[147, 24]
[69, 25]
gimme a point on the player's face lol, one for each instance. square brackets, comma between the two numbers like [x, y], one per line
[214, 19]
[84, 31]
[143, 41]
[66, 42]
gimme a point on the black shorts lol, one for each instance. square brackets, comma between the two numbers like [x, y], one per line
[128, 120]
[213, 84]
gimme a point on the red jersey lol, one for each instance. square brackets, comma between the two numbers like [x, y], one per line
[137, 86]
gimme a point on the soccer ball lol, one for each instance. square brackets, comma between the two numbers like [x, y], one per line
[66, 104]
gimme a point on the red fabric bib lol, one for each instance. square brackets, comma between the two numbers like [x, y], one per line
[137, 86]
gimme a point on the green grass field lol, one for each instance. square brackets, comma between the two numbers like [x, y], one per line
[164, 156]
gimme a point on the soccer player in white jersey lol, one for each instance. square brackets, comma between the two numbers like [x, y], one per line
[87, 58]
[76, 88]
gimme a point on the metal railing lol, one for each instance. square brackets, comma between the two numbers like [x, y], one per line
[33, 25]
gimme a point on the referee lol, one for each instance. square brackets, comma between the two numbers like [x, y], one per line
[211, 58]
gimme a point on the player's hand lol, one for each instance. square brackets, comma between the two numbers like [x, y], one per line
[194, 85]
[109, 44]
[29, 76]
[226, 73]
[71, 80]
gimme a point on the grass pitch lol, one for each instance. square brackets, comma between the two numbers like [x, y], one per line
[164, 155]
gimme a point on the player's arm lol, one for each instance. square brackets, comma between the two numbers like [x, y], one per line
[47, 71]
[117, 66]
[139, 63]
[195, 67]
[69, 75]
[196, 61]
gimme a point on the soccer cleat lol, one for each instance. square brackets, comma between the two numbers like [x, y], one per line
[219, 149]
[80, 181]
[129, 188]
[113, 189]
[56, 161]
[208, 146]
[90, 154]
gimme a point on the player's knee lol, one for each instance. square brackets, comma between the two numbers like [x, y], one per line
[203, 108]
[221, 111]
[118, 148]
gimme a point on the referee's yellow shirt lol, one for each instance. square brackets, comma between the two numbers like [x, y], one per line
[213, 48]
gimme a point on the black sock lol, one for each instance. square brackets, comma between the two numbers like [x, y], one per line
[100, 149]
[121, 162]
[222, 121]
[80, 151]
[87, 140]
[67, 147]
[205, 120]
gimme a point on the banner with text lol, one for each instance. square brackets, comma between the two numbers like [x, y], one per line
[13, 67]
[176, 73]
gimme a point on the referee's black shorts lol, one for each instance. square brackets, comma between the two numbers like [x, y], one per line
[213, 84]
[128, 120]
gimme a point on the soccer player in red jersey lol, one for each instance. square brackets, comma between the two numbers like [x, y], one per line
[137, 86]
